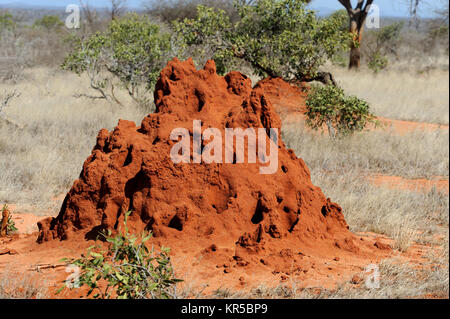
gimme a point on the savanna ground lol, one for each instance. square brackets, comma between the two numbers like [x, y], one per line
[400, 169]
[40, 160]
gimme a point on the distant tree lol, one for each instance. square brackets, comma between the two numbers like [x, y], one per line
[443, 13]
[89, 15]
[413, 12]
[48, 22]
[357, 17]
[438, 28]
[386, 42]
[118, 7]
[6, 21]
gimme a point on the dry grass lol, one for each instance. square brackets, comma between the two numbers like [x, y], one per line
[25, 286]
[400, 214]
[417, 154]
[399, 94]
[43, 159]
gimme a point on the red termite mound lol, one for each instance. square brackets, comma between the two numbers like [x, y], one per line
[286, 98]
[206, 206]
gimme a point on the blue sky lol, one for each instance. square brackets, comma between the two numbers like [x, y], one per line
[396, 8]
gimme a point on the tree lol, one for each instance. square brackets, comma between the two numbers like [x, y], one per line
[438, 29]
[386, 42]
[133, 50]
[276, 38]
[443, 14]
[413, 8]
[90, 15]
[357, 17]
[48, 22]
[6, 21]
[118, 7]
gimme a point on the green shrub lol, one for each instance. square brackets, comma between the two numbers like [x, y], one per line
[6, 21]
[127, 269]
[386, 41]
[11, 225]
[276, 38]
[133, 50]
[342, 114]
[377, 62]
[48, 22]
[388, 36]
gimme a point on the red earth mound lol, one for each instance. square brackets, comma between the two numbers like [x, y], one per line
[229, 214]
[287, 99]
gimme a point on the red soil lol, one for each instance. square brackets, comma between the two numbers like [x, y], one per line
[405, 127]
[417, 185]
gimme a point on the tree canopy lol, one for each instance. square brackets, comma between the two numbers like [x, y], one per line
[276, 38]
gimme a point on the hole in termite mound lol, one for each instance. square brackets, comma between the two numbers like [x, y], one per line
[176, 223]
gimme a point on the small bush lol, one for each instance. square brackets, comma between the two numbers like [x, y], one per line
[377, 62]
[386, 42]
[48, 22]
[329, 105]
[128, 269]
[10, 225]
[6, 21]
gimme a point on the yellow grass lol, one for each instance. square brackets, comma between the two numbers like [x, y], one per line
[399, 94]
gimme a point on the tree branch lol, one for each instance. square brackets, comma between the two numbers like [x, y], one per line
[348, 6]
[346, 3]
[365, 11]
[323, 77]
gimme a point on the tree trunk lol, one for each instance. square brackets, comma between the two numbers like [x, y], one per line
[357, 17]
[4, 225]
[355, 57]
[356, 29]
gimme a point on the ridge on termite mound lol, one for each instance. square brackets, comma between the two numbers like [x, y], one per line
[199, 205]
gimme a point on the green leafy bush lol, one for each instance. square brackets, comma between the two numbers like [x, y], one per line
[127, 269]
[342, 114]
[133, 50]
[276, 38]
